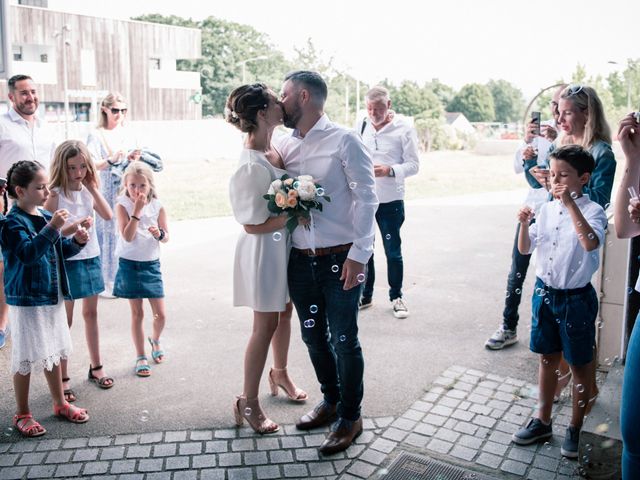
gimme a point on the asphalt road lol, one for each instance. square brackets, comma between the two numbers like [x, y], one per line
[457, 254]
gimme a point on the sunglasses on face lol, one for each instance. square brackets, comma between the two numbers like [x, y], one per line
[574, 90]
[116, 111]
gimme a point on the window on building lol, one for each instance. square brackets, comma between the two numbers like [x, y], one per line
[17, 53]
[44, 58]
[154, 63]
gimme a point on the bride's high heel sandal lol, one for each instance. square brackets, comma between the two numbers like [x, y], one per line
[249, 409]
[298, 395]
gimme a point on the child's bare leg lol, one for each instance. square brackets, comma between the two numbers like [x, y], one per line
[582, 378]
[54, 380]
[21, 388]
[137, 330]
[547, 379]
[70, 397]
[92, 334]
[159, 317]
[563, 377]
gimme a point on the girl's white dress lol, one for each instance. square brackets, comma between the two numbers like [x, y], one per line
[260, 266]
[40, 336]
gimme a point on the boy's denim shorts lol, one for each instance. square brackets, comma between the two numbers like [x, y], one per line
[138, 279]
[564, 321]
[85, 277]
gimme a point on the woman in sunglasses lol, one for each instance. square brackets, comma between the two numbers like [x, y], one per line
[582, 122]
[112, 146]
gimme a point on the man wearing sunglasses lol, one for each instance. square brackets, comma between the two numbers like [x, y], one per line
[23, 136]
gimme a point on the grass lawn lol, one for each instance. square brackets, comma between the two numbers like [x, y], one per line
[199, 188]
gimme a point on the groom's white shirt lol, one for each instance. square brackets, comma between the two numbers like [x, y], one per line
[337, 159]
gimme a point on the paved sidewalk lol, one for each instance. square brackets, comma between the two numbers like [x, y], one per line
[466, 418]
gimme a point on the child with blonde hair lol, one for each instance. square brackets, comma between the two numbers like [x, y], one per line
[142, 224]
[74, 187]
[35, 282]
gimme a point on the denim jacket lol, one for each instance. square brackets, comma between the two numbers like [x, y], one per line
[601, 181]
[33, 259]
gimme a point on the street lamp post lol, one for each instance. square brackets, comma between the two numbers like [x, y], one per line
[65, 87]
[243, 63]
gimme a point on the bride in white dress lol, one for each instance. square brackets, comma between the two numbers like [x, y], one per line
[262, 251]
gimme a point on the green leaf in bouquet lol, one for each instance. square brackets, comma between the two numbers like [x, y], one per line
[268, 196]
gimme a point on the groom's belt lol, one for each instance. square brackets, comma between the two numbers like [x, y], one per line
[320, 252]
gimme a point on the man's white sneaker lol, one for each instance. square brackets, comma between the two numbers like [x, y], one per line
[503, 337]
[400, 310]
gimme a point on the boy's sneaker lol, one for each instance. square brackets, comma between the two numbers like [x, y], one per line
[400, 310]
[503, 337]
[570, 445]
[3, 338]
[533, 432]
[365, 302]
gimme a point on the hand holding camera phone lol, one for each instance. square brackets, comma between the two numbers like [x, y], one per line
[535, 118]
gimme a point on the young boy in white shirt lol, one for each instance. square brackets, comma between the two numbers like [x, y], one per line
[567, 234]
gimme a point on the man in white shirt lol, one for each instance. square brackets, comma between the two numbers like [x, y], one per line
[23, 136]
[393, 144]
[327, 262]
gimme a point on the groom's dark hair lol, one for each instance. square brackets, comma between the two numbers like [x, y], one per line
[312, 81]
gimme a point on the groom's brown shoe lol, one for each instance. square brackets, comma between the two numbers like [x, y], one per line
[322, 414]
[343, 433]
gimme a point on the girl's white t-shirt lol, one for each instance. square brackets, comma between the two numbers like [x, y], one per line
[143, 247]
[79, 203]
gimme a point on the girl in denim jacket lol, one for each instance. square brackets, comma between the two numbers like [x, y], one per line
[35, 283]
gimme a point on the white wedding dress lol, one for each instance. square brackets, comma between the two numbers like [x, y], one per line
[260, 265]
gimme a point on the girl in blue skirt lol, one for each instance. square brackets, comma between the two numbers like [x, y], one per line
[74, 187]
[142, 224]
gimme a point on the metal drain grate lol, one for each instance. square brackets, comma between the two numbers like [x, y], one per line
[417, 467]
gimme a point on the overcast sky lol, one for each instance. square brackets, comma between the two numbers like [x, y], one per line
[531, 44]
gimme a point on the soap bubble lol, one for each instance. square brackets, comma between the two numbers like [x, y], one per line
[320, 192]
[518, 291]
[388, 236]
[335, 268]
[580, 388]
[310, 323]
[313, 309]
[360, 277]
[144, 416]
[352, 185]
[248, 411]
[277, 236]
[574, 195]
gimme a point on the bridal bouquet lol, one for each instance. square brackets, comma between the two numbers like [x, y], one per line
[296, 196]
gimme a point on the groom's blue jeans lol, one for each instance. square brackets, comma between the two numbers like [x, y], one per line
[329, 326]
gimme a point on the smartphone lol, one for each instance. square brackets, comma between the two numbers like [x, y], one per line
[535, 118]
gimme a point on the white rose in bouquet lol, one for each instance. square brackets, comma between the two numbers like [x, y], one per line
[306, 188]
[275, 187]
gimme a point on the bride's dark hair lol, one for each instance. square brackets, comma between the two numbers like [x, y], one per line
[243, 105]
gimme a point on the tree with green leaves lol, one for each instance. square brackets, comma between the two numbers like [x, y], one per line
[475, 102]
[508, 101]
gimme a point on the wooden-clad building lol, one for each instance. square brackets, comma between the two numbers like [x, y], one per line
[137, 59]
